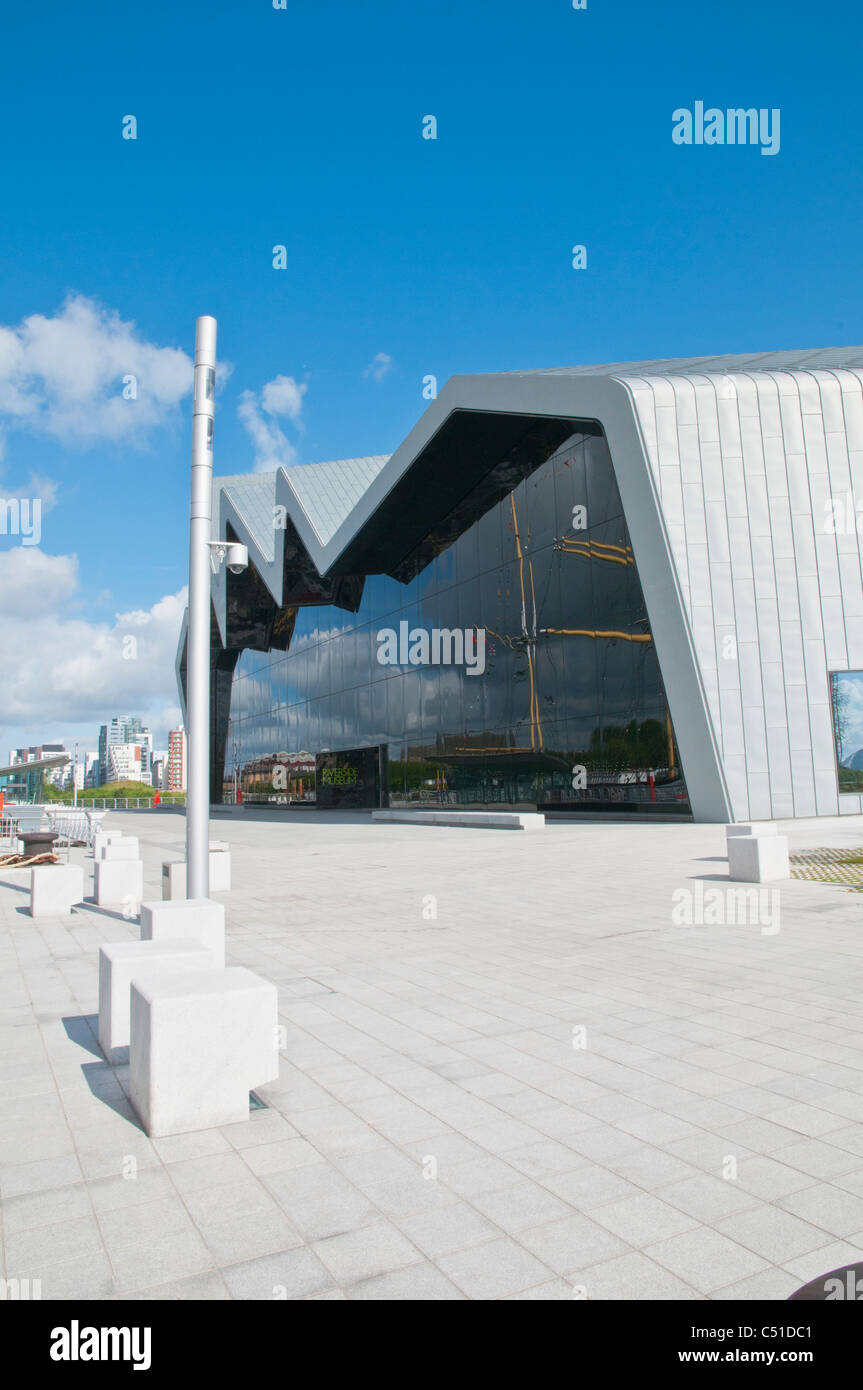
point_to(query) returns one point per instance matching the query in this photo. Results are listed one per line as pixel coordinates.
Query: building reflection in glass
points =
(569, 711)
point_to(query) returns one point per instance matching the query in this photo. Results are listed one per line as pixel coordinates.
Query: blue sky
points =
(302, 126)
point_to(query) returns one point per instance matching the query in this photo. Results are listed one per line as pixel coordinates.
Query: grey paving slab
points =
(495, 1270)
(363, 1254)
(825, 1258)
(827, 1206)
(288, 1275)
(247, 1236)
(775, 1234)
(568, 1246)
(29, 1252)
(706, 1259)
(444, 1230)
(418, 1283)
(633, 1277)
(197, 1288)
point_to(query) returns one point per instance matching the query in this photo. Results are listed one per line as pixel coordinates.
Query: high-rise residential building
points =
(124, 729)
(128, 762)
(176, 771)
(158, 768)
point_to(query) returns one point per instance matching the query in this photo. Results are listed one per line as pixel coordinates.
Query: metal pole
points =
(198, 661)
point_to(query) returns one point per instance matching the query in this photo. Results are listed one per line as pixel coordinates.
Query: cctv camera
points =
(237, 558)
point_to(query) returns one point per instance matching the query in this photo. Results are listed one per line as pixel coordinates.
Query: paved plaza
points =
(512, 1067)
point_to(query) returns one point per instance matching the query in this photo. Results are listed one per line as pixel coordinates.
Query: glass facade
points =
(517, 668)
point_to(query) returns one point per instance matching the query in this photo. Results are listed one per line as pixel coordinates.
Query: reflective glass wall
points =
(516, 669)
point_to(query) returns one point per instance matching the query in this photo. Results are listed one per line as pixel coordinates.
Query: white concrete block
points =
(758, 858)
(119, 883)
(55, 888)
(103, 838)
(484, 820)
(200, 919)
(762, 827)
(120, 962)
(199, 1043)
(220, 870)
(125, 848)
(173, 880)
(174, 874)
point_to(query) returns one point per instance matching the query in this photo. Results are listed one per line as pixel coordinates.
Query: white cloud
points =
(379, 366)
(39, 486)
(63, 375)
(284, 396)
(63, 675)
(259, 412)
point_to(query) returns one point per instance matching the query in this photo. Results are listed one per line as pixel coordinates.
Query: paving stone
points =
(570, 1245)
(831, 1208)
(290, 1274)
(705, 1259)
(633, 1277)
(775, 1234)
(494, 1271)
(417, 1283)
(364, 1254)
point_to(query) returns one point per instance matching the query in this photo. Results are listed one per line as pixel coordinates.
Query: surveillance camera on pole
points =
(235, 556)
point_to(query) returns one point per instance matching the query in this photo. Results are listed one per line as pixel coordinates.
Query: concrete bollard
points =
(125, 848)
(55, 888)
(199, 1043)
(122, 961)
(766, 827)
(174, 875)
(200, 919)
(103, 838)
(119, 883)
(758, 858)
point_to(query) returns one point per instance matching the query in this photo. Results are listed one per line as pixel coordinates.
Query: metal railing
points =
(118, 803)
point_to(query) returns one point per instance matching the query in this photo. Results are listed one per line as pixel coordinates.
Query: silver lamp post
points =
(198, 662)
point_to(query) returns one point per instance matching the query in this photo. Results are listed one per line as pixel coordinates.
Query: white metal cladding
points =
(745, 466)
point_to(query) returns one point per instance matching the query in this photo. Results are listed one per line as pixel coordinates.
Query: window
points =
(846, 700)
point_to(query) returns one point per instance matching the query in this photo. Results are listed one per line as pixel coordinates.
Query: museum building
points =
(630, 589)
